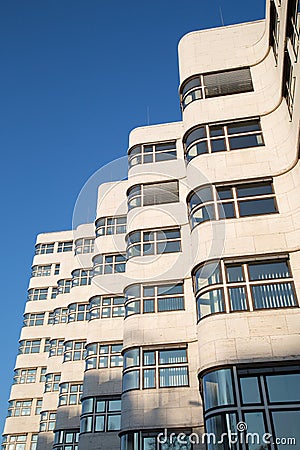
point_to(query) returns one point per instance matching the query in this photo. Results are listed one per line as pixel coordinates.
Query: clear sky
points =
(76, 76)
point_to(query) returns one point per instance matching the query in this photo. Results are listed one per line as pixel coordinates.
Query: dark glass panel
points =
(195, 135)
(251, 140)
(243, 127)
(226, 210)
(286, 425)
(238, 299)
(257, 207)
(280, 295)
(209, 303)
(218, 389)
(235, 273)
(218, 145)
(253, 189)
(250, 390)
(255, 431)
(220, 427)
(284, 388)
(268, 270)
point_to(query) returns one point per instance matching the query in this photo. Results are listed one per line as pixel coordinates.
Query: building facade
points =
(177, 312)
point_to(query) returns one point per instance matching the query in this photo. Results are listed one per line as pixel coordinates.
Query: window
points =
(43, 374)
(37, 294)
(82, 277)
(78, 312)
(106, 226)
(153, 242)
(47, 422)
(31, 320)
(43, 249)
(225, 202)
(47, 345)
(288, 83)
(106, 307)
(33, 443)
(148, 153)
(261, 392)
(29, 346)
(54, 292)
(150, 369)
(293, 24)
(64, 286)
(38, 406)
(66, 246)
(100, 415)
(102, 356)
(234, 81)
(239, 286)
(18, 408)
(14, 442)
(85, 245)
(41, 271)
(24, 376)
(222, 137)
(152, 194)
(66, 439)
(52, 382)
(59, 315)
(45, 271)
(274, 29)
(151, 298)
(56, 347)
(148, 440)
(107, 264)
(70, 394)
(74, 350)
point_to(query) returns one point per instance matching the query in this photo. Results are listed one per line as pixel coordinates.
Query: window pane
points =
(250, 190)
(114, 423)
(256, 207)
(221, 426)
(250, 390)
(131, 380)
(170, 304)
(234, 273)
(172, 356)
(218, 145)
(168, 247)
(284, 388)
(149, 378)
(210, 302)
(268, 271)
(279, 295)
(256, 426)
(114, 405)
(207, 275)
(286, 424)
(173, 376)
(218, 389)
(252, 140)
(238, 300)
(132, 358)
(226, 210)
(243, 127)
(99, 423)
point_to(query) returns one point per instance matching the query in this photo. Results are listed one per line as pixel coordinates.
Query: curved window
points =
(226, 202)
(153, 194)
(252, 394)
(47, 422)
(234, 81)
(43, 249)
(177, 439)
(108, 264)
(31, 320)
(107, 226)
(59, 315)
(70, 394)
(222, 137)
(103, 356)
(153, 242)
(64, 286)
(153, 298)
(100, 415)
(106, 307)
(18, 408)
(151, 369)
(37, 294)
(24, 376)
(52, 381)
(29, 346)
(82, 277)
(84, 245)
(74, 351)
(78, 312)
(14, 442)
(228, 286)
(148, 153)
(41, 271)
(56, 347)
(66, 439)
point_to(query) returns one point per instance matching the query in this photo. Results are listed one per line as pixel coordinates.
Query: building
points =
(199, 248)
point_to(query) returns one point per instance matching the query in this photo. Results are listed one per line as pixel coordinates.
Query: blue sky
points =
(76, 77)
